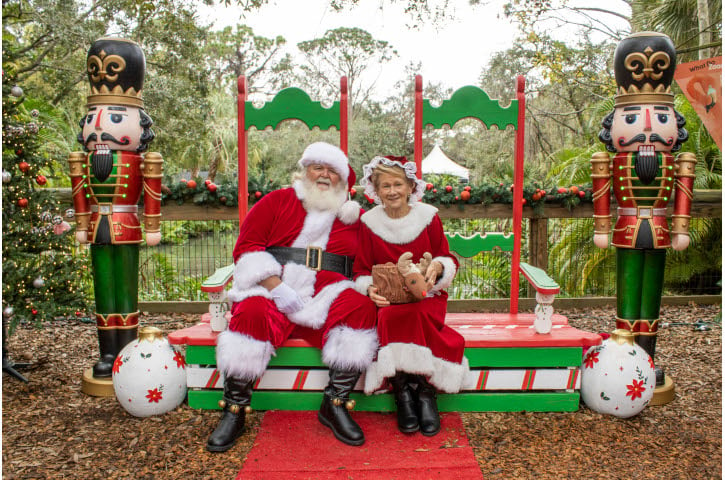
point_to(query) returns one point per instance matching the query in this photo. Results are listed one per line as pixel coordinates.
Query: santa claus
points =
(293, 263)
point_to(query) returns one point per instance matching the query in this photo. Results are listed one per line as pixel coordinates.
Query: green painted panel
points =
(297, 357)
(472, 102)
(219, 277)
(312, 114)
(477, 243)
(524, 357)
(538, 276)
(460, 402)
(477, 357)
(200, 355)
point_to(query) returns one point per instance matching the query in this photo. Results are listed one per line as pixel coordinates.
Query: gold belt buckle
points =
(644, 212)
(319, 258)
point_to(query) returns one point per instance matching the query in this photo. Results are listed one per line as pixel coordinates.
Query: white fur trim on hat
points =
(408, 167)
(411, 358)
(241, 356)
(399, 230)
(326, 154)
(350, 349)
(449, 272)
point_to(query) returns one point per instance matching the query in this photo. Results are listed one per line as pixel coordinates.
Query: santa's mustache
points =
(106, 137)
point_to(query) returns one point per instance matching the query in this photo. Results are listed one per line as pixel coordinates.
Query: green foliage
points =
(44, 276)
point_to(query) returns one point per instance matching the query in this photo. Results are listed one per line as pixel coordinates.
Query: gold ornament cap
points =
(622, 336)
(150, 334)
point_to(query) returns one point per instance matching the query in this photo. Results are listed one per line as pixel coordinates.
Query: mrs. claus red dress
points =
(413, 337)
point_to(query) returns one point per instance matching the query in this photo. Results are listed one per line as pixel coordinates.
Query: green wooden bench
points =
(519, 361)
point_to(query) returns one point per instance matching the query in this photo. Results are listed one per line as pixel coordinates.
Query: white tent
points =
(438, 163)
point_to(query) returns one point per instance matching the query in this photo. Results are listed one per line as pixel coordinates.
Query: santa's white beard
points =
(324, 200)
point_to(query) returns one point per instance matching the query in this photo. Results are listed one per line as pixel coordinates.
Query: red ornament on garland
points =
(191, 184)
(449, 189)
(24, 167)
(465, 195)
(23, 202)
(257, 194)
(211, 187)
(429, 186)
(41, 180)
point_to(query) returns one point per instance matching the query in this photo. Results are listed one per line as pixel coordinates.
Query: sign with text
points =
(701, 81)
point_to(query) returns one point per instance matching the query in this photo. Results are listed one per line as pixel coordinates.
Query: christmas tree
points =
(43, 271)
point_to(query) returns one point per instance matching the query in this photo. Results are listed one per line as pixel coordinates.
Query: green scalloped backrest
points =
(471, 102)
(477, 243)
(309, 112)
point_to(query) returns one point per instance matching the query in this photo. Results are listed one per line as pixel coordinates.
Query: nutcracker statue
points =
(643, 131)
(107, 180)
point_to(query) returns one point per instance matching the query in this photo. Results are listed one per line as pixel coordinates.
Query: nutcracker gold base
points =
(664, 394)
(96, 387)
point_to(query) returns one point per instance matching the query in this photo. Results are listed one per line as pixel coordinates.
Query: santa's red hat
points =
(408, 168)
(323, 153)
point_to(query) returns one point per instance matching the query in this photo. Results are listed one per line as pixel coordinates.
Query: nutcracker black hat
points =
(116, 69)
(644, 65)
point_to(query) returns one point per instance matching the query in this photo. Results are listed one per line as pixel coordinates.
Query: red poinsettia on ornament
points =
(636, 389)
(179, 359)
(591, 359)
(117, 365)
(154, 395)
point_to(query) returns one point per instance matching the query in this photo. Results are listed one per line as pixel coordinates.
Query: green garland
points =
(535, 195)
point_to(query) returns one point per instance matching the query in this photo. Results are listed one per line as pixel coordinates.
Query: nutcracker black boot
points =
(235, 406)
(430, 421)
(405, 403)
(107, 349)
(334, 411)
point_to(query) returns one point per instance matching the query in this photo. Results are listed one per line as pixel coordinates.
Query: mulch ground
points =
(52, 430)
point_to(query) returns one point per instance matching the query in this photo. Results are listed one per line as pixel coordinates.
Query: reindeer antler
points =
(405, 263)
(425, 262)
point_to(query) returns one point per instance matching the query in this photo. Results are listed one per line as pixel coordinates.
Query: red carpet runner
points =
(294, 445)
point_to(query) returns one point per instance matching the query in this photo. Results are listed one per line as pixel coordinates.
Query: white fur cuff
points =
(449, 272)
(350, 349)
(241, 356)
(362, 283)
(253, 267)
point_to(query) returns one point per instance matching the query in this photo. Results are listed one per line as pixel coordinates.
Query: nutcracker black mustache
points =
(106, 137)
(654, 138)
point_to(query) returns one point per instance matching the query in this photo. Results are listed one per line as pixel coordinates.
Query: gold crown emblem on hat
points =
(647, 64)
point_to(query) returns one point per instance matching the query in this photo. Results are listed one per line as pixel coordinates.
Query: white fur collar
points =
(348, 211)
(400, 230)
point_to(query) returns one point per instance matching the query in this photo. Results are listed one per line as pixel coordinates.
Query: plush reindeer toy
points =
(403, 282)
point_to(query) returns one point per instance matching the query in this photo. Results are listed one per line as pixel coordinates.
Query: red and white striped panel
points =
(481, 380)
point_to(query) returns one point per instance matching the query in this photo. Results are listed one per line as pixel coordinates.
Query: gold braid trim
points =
(604, 191)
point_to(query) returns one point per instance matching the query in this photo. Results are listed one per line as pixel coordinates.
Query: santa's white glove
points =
(286, 299)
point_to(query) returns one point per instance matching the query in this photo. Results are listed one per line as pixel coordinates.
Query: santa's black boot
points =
(428, 417)
(235, 406)
(108, 351)
(336, 404)
(405, 403)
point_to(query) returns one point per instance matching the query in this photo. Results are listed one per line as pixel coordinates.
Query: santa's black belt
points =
(314, 258)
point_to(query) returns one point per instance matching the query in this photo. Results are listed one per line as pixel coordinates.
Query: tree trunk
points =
(703, 22)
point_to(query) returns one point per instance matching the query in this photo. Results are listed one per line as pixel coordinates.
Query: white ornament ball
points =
(8, 312)
(70, 213)
(149, 376)
(16, 91)
(618, 376)
(7, 176)
(38, 282)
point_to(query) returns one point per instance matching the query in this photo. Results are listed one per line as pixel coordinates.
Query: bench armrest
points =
(215, 287)
(546, 289)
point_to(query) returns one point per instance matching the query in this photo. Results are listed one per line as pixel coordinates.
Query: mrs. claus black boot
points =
(405, 403)
(428, 417)
(235, 406)
(334, 411)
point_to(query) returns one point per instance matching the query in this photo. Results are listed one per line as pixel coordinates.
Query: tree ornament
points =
(46, 216)
(39, 282)
(33, 128)
(7, 176)
(16, 91)
(23, 202)
(8, 312)
(34, 113)
(19, 131)
(24, 167)
(41, 180)
(70, 213)
(57, 220)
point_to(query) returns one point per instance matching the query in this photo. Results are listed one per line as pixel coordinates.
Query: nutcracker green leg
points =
(115, 281)
(640, 279)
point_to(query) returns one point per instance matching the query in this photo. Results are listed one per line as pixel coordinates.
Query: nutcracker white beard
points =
(324, 200)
